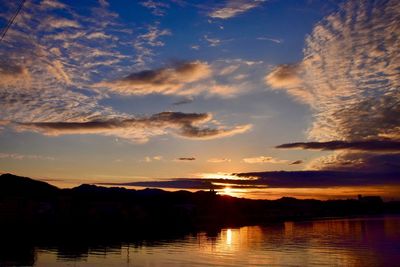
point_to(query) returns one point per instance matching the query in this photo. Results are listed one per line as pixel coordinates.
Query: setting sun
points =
(227, 191)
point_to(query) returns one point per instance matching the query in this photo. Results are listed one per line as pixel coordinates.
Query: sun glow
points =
(227, 191)
(222, 175)
(228, 236)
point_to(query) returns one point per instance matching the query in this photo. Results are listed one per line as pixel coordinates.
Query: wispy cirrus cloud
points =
(149, 159)
(212, 41)
(52, 4)
(219, 160)
(58, 23)
(274, 40)
(233, 8)
(146, 41)
(264, 159)
(157, 8)
(49, 78)
(17, 156)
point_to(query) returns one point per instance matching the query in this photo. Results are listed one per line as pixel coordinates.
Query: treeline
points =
(32, 204)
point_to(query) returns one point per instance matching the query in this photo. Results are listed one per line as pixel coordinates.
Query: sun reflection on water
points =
(228, 236)
(334, 242)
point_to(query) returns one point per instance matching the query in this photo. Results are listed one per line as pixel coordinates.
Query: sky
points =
(255, 98)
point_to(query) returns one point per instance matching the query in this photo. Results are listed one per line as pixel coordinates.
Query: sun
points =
(227, 190)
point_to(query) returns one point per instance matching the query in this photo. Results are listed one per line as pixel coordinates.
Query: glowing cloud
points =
(169, 80)
(234, 7)
(137, 129)
(350, 77)
(264, 159)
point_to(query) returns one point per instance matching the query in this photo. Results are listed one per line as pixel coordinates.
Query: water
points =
(331, 242)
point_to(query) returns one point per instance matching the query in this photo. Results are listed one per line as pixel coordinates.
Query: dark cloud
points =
(187, 159)
(280, 179)
(192, 131)
(138, 129)
(358, 161)
(9, 69)
(11, 73)
(183, 101)
(322, 179)
(368, 145)
(296, 162)
(178, 184)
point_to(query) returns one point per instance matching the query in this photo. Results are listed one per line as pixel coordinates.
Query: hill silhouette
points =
(12, 185)
(32, 205)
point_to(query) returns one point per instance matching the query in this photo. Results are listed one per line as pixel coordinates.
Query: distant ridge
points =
(30, 204)
(23, 186)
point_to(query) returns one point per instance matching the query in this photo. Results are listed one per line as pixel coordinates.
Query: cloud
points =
(288, 77)
(168, 80)
(98, 35)
(177, 184)
(157, 8)
(274, 40)
(48, 82)
(186, 159)
(48, 75)
(319, 179)
(218, 160)
(234, 8)
(153, 158)
(51, 4)
(281, 179)
(191, 131)
(349, 77)
(17, 156)
(57, 23)
(12, 74)
(137, 129)
(264, 159)
(145, 43)
(296, 162)
(188, 79)
(183, 101)
(357, 161)
(212, 41)
(368, 145)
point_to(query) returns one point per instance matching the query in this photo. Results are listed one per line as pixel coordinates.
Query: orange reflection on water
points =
(335, 242)
(228, 236)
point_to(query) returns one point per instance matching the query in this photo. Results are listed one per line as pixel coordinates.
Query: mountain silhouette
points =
(12, 185)
(35, 205)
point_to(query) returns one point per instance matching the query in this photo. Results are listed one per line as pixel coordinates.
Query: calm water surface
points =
(333, 242)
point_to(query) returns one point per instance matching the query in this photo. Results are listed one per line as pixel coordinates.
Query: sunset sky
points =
(162, 93)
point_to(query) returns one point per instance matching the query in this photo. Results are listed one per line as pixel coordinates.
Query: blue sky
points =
(124, 91)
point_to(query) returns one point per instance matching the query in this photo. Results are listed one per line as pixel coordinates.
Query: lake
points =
(328, 242)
